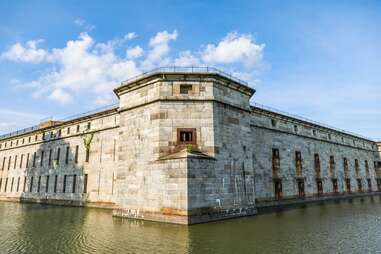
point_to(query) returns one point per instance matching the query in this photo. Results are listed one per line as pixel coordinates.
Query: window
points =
(273, 122)
(317, 164)
(314, 132)
(67, 155)
(185, 89)
(6, 184)
(76, 154)
(50, 157)
(59, 133)
(58, 156)
(23, 141)
(74, 183)
(77, 128)
(24, 185)
(64, 184)
(39, 184)
(87, 158)
(18, 184)
(31, 185)
(12, 183)
(369, 184)
(366, 168)
(186, 136)
(55, 183)
(43, 136)
(34, 159)
(47, 184)
(345, 166)
(357, 166)
(295, 128)
(335, 187)
(21, 160)
(14, 165)
(329, 136)
(88, 125)
(68, 130)
(29, 139)
(300, 183)
(42, 159)
(2, 167)
(275, 162)
(27, 160)
(348, 184)
(9, 162)
(278, 189)
(85, 184)
(319, 186)
(298, 163)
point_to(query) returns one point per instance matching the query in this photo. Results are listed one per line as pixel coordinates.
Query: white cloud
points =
(84, 68)
(134, 52)
(28, 53)
(60, 96)
(83, 24)
(159, 48)
(130, 36)
(234, 48)
(186, 58)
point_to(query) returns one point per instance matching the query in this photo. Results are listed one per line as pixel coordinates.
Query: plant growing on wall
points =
(87, 139)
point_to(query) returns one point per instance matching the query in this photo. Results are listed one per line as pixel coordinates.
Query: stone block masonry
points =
(185, 146)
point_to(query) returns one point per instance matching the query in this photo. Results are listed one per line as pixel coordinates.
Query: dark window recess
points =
(278, 189)
(50, 157)
(77, 128)
(34, 159)
(24, 185)
(21, 160)
(369, 181)
(335, 186)
(348, 184)
(55, 183)
(87, 159)
(85, 183)
(76, 154)
(9, 162)
(2, 167)
(1, 182)
(186, 136)
(58, 156)
(6, 184)
(319, 186)
(18, 184)
(298, 163)
(359, 185)
(317, 164)
(42, 159)
(379, 184)
(301, 192)
(275, 162)
(14, 165)
(12, 183)
(67, 155)
(185, 89)
(59, 133)
(64, 184)
(31, 185)
(74, 183)
(27, 161)
(39, 184)
(47, 184)
(68, 130)
(88, 125)
(273, 122)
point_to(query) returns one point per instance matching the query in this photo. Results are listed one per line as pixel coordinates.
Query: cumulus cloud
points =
(134, 52)
(28, 53)
(159, 49)
(85, 68)
(232, 49)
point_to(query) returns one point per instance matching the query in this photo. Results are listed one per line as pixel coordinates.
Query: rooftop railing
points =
(267, 108)
(66, 119)
(179, 69)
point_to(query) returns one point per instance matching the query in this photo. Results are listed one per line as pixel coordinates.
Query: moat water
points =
(344, 227)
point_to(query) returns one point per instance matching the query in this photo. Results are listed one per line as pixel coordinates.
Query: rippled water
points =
(345, 227)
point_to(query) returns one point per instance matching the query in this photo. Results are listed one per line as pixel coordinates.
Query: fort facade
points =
(184, 145)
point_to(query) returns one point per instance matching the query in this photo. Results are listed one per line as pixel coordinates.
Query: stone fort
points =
(184, 145)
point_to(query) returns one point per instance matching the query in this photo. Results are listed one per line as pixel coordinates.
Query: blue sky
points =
(317, 59)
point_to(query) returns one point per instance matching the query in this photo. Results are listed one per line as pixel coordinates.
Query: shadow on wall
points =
(53, 174)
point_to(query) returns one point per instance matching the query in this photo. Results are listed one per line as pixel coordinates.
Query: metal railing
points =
(270, 109)
(190, 69)
(36, 127)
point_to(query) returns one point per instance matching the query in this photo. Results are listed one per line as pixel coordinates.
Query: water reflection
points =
(340, 227)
